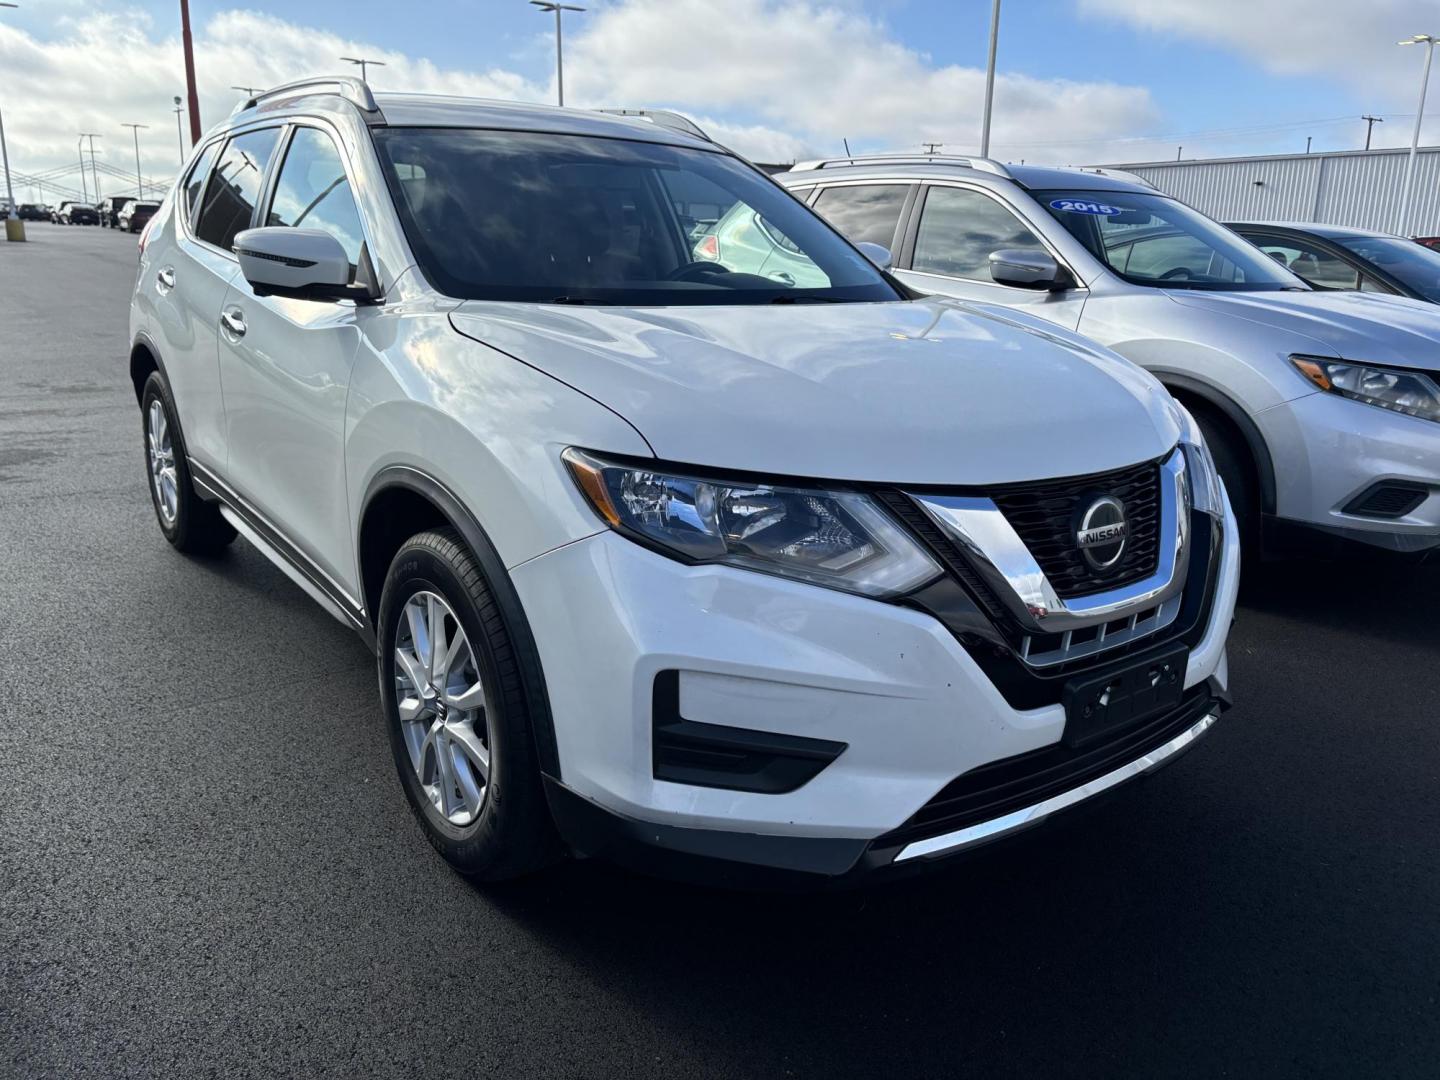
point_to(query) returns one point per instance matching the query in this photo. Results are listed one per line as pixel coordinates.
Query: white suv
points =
(665, 561)
(1320, 407)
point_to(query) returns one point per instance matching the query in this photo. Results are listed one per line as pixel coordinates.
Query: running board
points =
(285, 566)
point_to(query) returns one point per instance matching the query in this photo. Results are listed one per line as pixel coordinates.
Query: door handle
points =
(233, 321)
(165, 279)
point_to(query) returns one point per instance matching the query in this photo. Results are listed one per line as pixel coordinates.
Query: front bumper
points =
(912, 707)
(1330, 451)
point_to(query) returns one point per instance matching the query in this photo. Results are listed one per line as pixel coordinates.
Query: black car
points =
(77, 213)
(136, 214)
(32, 212)
(110, 208)
(1337, 257)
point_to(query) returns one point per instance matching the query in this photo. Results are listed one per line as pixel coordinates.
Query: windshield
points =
(1410, 263)
(505, 215)
(1154, 240)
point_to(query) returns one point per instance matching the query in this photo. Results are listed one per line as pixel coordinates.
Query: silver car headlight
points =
(839, 539)
(1413, 393)
(1207, 490)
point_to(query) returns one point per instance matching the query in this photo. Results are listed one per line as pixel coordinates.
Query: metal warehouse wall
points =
(1360, 188)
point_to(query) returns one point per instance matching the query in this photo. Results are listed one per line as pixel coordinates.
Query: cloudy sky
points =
(1081, 81)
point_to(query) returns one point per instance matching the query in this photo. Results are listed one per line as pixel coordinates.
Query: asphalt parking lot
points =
(208, 868)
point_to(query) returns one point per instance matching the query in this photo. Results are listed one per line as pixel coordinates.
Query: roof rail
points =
(663, 118)
(1119, 174)
(347, 86)
(979, 163)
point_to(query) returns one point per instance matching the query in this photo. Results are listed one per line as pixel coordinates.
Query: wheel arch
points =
(401, 501)
(1185, 387)
(145, 359)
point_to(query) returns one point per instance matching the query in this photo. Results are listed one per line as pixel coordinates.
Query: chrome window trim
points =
(1001, 558)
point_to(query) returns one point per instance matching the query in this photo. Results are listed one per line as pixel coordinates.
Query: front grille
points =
(1046, 515)
(1002, 787)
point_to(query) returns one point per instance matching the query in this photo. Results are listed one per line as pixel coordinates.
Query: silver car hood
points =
(1354, 325)
(925, 392)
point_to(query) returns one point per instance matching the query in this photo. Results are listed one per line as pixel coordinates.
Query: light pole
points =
(557, 8)
(94, 171)
(1428, 40)
(139, 185)
(191, 96)
(179, 131)
(363, 62)
(990, 80)
(14, 227)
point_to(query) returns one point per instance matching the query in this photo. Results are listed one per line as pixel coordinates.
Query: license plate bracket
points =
(1104, 704)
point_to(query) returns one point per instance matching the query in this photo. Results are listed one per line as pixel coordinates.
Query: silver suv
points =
(1322, 408)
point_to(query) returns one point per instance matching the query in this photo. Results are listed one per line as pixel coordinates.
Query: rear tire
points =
(190, 523)
(460, 729)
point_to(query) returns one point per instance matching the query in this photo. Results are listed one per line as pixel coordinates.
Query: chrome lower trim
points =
(1000, 557)
(985, 831)
(285, 566)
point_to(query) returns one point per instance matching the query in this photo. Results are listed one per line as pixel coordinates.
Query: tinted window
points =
(1151, 239)
(960, 228)
(195, 182)
(1315, 265)
(1413, 264)
(866, 213)
(312, 192)
(234, 187)
(500, 215)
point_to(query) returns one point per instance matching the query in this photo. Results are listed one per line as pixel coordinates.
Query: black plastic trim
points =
(1359, 506)
(1232, 411)
(734, 758)
(502, 588)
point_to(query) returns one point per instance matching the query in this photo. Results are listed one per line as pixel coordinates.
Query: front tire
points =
(190, 523)
(460, 729)
(1237, 470)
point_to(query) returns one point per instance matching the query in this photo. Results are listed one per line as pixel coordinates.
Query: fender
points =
(1259, 451)
(532, 675)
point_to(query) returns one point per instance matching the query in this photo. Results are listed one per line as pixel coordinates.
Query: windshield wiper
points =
(576, 300)
(784, 298)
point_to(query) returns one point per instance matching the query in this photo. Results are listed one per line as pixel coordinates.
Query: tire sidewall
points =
(419, 569)
(156, 389)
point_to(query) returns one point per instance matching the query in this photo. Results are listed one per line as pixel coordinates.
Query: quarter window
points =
(234, 187)
(865, 213)
(960, 228)
(312, 192)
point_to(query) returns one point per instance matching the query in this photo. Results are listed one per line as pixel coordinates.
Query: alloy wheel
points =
(443, 706)
(162, 462)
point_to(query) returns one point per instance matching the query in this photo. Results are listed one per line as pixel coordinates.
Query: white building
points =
(1352, 187)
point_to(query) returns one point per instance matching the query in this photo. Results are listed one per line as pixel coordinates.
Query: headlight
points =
(1410, 392)
(839, 539)
(1207, 491)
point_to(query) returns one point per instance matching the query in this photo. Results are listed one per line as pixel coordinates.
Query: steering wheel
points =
(695, 271)
(1177, 272)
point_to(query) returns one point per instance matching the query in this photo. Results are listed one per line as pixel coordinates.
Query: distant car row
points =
(117, 211)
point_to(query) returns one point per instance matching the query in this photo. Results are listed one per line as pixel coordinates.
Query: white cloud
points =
(776, 80)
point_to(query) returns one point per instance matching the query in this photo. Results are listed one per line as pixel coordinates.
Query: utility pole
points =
(1370, 122)
(139, 184)
(363, 62)
(990, 80)
(179, 131)
(1177, 152)
(558, 9)
(248, 91)
(192, 97)
(94, 171)
(80, 149)
(14, 227)
(931, 147)
(1307, 143)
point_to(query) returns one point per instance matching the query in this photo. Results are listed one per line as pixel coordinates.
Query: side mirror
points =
(302, 264)
(1029, 270)
(878, 254)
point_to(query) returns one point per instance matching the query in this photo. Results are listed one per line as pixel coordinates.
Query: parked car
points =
(666, 562)
(110, 208)
(1428, 241)
(1336, 257)
(32, 212)
(135, 214)
(1322, 408)
(77, 213)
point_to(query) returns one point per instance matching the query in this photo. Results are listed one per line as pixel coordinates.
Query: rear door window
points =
(234, 187)
(865, 213)
(195, 182)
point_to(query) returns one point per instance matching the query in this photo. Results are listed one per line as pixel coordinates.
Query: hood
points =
(920, 392)
(1352, 325)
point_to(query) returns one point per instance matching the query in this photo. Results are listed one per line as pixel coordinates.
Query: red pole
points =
(190, 72)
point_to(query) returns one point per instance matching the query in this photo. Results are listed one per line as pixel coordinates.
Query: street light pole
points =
(191, 96)
(15, 231)
(139, 184)
(363, 62)
(558, 9)
(179, 131)
(1428, 40)
(990, 80)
